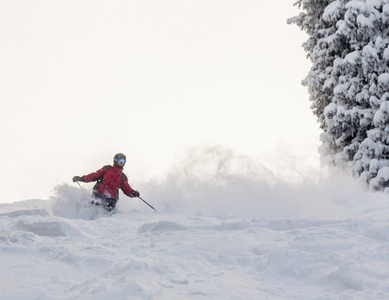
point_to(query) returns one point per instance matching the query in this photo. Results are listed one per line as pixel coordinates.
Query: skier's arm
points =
(95, 175)
(128, 190)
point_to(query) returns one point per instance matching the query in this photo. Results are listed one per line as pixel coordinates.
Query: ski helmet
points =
(119, 156)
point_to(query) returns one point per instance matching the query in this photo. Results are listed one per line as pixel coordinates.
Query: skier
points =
(109, 180)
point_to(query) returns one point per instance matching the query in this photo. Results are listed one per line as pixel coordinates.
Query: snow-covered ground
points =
(63, 249)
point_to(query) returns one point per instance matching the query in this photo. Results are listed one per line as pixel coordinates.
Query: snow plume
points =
(219, 182)
(74, 203)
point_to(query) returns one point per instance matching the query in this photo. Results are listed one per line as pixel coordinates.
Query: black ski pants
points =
(108, 203)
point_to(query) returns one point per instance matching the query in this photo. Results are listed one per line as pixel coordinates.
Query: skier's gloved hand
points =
(78, 178)
(135, 194)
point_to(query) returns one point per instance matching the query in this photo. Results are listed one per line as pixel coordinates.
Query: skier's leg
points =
(99, 198)
(110, 204)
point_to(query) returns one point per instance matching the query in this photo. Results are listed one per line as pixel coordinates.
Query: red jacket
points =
(110, 179)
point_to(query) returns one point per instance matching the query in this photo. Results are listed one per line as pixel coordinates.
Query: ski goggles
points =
(121, 161)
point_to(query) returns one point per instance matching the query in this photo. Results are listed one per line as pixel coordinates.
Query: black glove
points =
(135, 194)
(78, 178)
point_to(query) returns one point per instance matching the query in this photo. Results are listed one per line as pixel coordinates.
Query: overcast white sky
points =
(83, 80)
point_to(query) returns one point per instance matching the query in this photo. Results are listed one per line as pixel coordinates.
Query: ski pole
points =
(81, 187)
(147, 203)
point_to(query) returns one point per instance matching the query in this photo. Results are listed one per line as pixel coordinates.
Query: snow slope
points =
(63, 249)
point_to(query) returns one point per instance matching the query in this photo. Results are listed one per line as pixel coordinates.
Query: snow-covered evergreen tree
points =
(349, 83)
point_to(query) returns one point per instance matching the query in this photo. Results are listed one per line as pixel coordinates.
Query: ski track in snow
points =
(58, 250)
